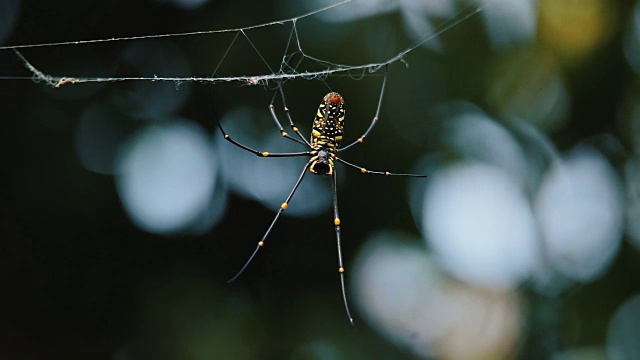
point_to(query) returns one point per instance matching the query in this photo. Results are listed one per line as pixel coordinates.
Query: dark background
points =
(79, 276)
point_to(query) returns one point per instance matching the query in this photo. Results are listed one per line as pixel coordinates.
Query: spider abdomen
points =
(328, 124)
(326, 133)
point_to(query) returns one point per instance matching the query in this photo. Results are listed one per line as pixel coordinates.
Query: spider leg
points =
(386, 173)
(360, 140)
(260, 153)
(282, 208)
(295, 129)
(336, 222)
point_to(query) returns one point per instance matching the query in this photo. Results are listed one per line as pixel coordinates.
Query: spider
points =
(324, 145)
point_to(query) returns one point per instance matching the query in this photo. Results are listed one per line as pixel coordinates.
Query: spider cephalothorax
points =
(322, 162)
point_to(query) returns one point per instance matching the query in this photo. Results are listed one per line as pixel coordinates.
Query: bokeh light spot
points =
(478, 222)
(404, 295)
(574, 29)
(474, 135)
(167, 176)
(529, 84)
(579, 212)
(509, 22)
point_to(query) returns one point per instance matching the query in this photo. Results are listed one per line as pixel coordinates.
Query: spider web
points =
(289, 67)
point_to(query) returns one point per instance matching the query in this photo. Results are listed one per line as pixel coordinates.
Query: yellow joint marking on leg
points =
(226, 136)
(295, 129)
(260, 243)
(286, 108)
(270, 106)
(265, 154)
(363, 170)
(375, 118)
(387, 173)
(341, 270)
(284, 133)
(336, 221)
(284, 206)
(361, 139)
